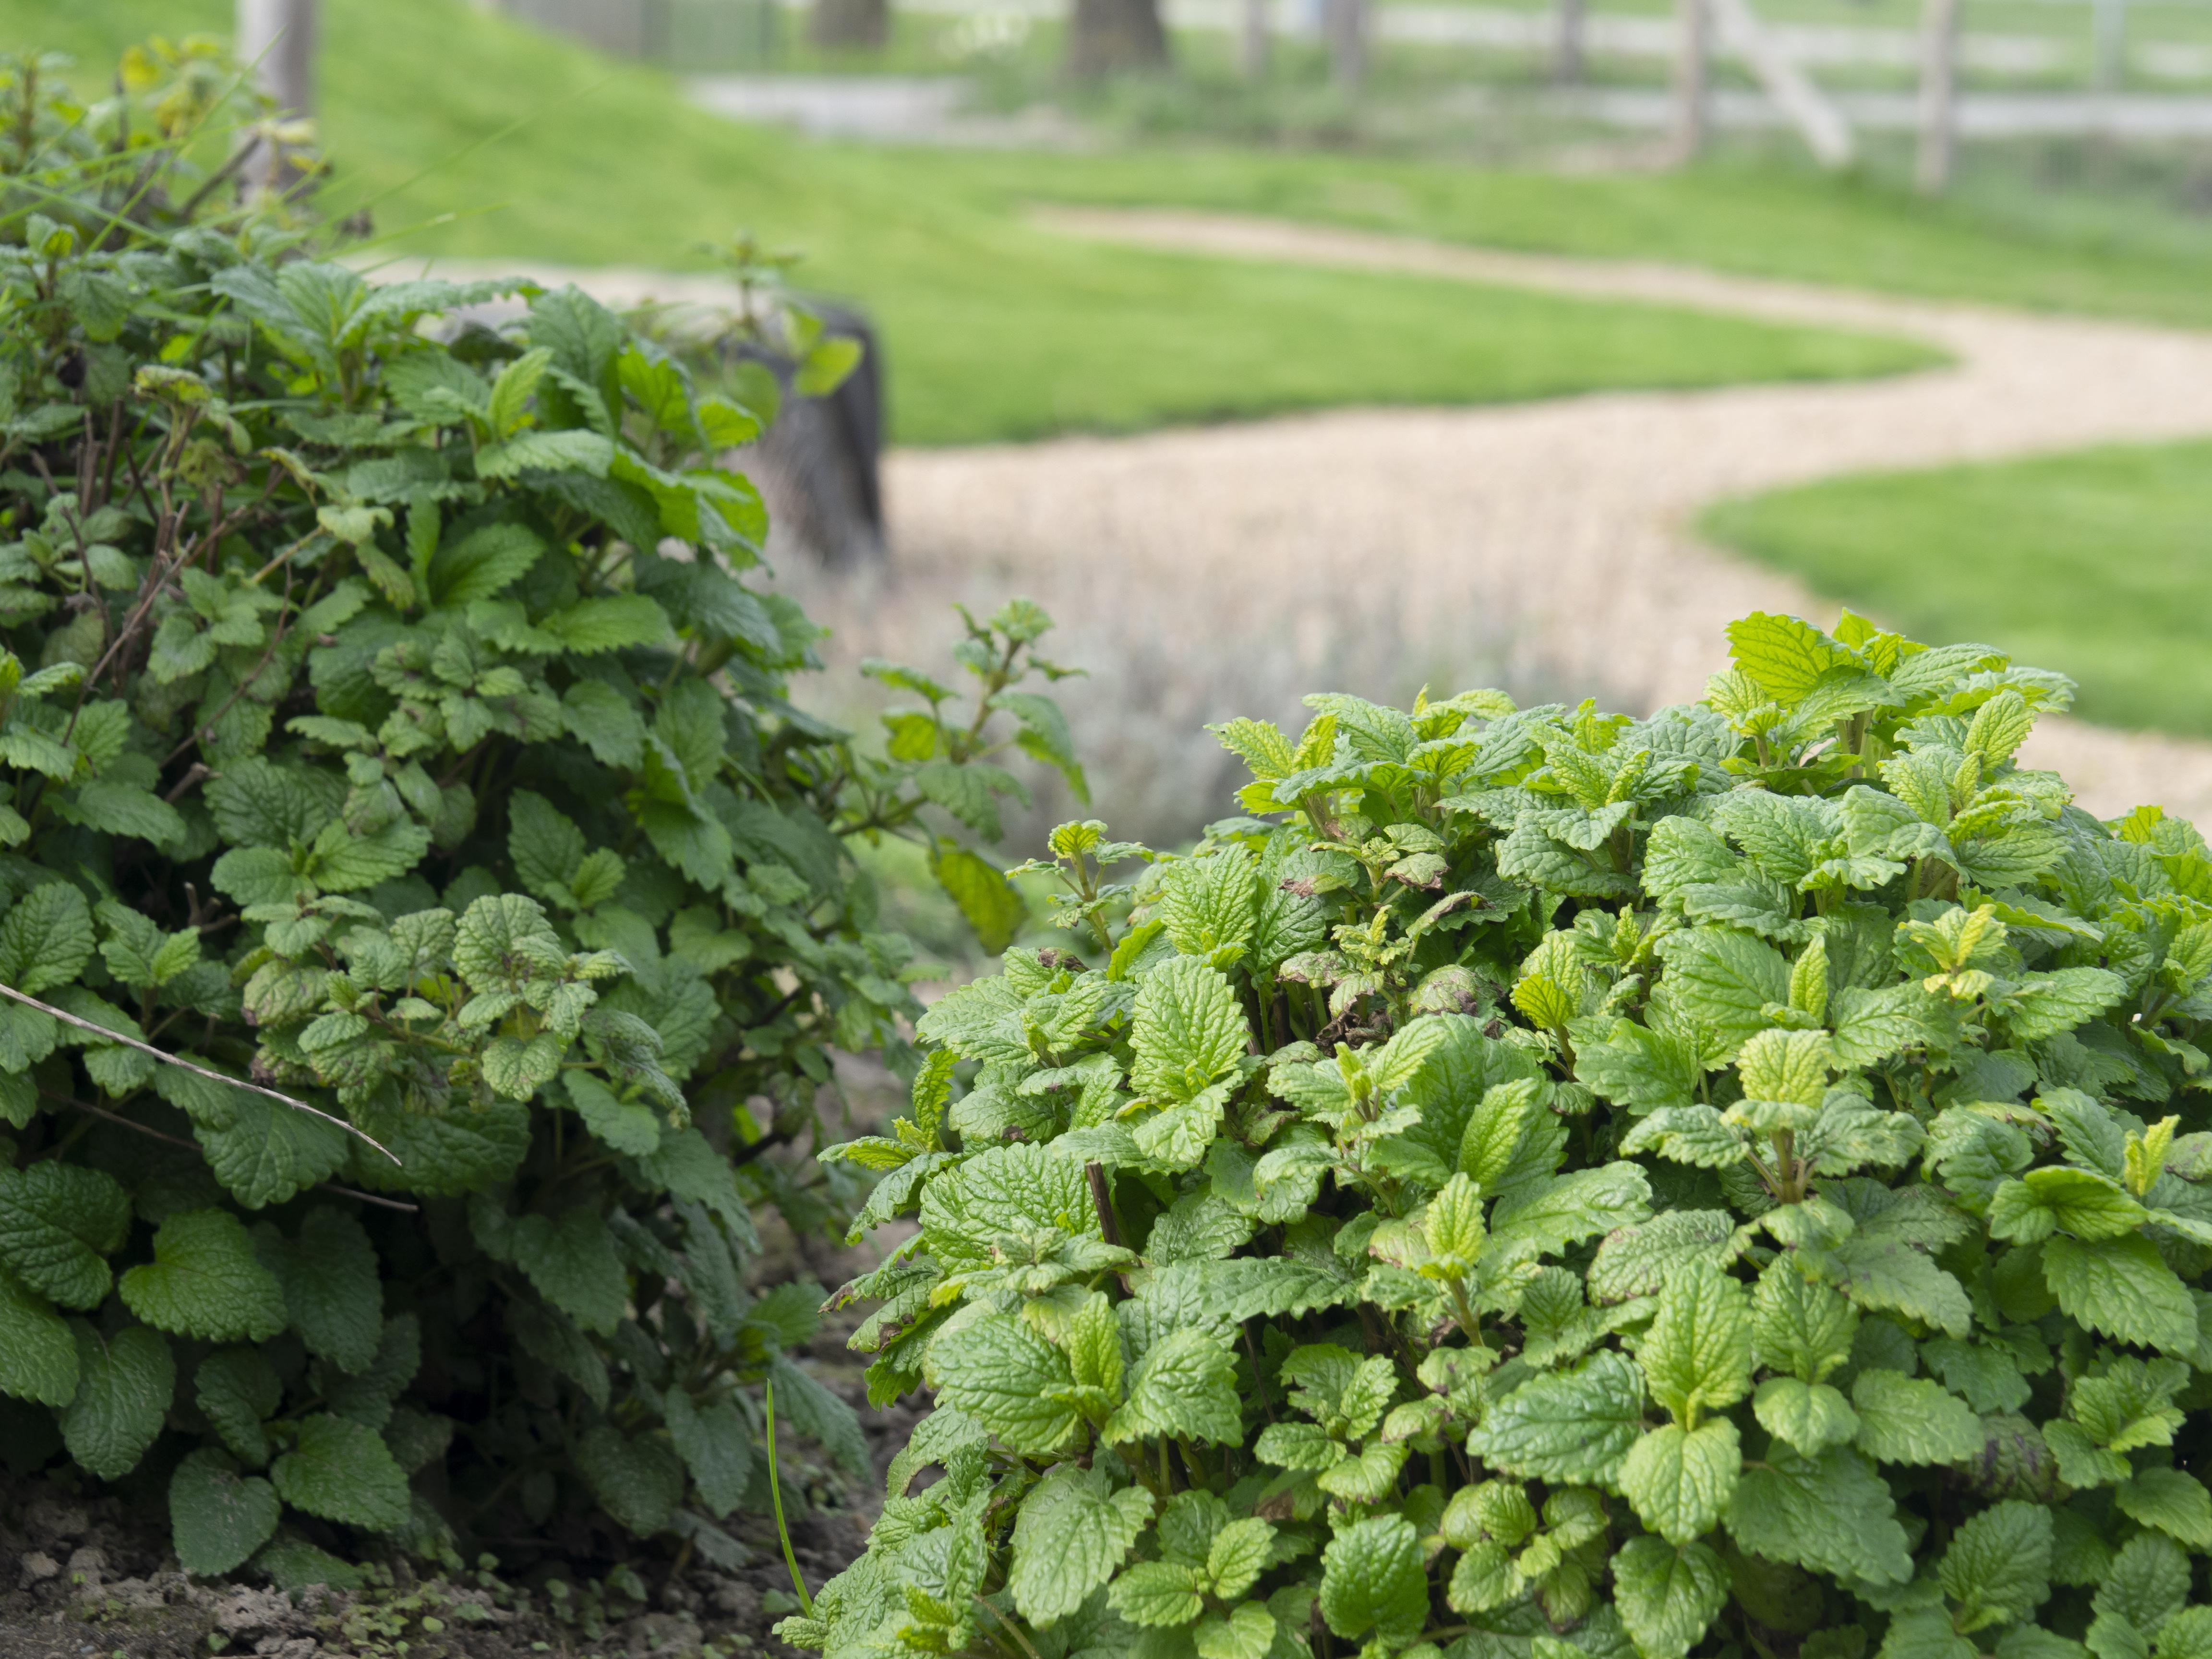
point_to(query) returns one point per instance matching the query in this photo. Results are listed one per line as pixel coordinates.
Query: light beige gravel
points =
(1546, 547)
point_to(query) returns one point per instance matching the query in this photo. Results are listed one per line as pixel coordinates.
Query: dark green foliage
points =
(1554, 1184)
(425, 919)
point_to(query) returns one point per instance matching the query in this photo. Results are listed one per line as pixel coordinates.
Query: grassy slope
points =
(993, 330)
(2100, 563)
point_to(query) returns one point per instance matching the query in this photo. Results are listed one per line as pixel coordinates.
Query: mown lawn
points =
(2098, 563)
(472, 135)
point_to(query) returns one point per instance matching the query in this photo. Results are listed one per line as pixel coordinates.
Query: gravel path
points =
(1545, 547)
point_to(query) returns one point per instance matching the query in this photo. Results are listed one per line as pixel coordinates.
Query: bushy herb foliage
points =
(1549, 1183)
(386, 722)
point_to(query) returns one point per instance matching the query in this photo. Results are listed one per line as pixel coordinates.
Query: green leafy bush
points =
(388, 727)
(1556, 1184)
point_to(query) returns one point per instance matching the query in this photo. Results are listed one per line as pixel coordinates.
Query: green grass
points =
(993, 330)
(2098, 563)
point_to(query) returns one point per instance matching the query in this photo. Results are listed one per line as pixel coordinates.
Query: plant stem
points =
(1010, 1628)
(775, 1494)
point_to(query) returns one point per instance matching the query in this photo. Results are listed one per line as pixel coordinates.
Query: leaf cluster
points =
(426, 919)
(1552, 1183)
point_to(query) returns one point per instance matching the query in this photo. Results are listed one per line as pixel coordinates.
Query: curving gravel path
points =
(1546, 547)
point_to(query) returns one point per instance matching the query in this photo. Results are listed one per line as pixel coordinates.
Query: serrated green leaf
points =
(1903, 1419)
(341, 1471)
(237, 1390)
(2122, 1288)
(205, 1281)
(124, 1385)
(1187, 1030)
(1997, 1568)
(57, 1222)
(1811, 1416)
(218, 1517)
(2175, 1503)
(714, 1444)
(1371, 1580)
(1678, 1480)
(1572, 1426)
(1668, 1596)
(638, 1480)
(38, 1355)
(1697, 1356)
(1009, 1379)
(1185, 1386)
(574, 1264)
(1071, 1535)
(331, 1291)
(1832, 1513)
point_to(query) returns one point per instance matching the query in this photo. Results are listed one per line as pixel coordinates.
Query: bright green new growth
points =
(386, 722)
(1555, 1184)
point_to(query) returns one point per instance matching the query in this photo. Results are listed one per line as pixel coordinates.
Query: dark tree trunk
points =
(863, 23)
(1107, 36)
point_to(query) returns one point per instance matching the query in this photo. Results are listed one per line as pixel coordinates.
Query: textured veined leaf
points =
(1697, 1356)
(1668, 1596)
(341, 1471)
(1679, 1480)
(1004, 1375)
(1811, 1416)
(1725, 980)
(2123, 1287)
(1997, 1568)
(218, 1517)
(714, 1444)
(1371, 1580)
(1187, 1030)
(1832, 1513)
(1571, 1427)
(57, 1224)
(573, 1264)
(638, 1480)
(331, 1289)
(987, 899)
(124, 1385)
(205, 1281)
(38, 1354)
(1072, 1534)
(1903, 1419)
(1635, 1261)
(1184, 1387)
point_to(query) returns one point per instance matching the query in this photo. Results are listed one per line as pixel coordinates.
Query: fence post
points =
(277, 37)
(1253, 46)
(1939, 95)
(1692, 78)
(2110, 21)
(1567, 66)
(1344, 23)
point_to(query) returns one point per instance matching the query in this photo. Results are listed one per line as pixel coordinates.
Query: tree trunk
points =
(1567, 65)
(1254, 43)
(1344, 25)
(1105, 37)
(862, 23)
(1939, 95)
(276, 40)
(1692, 78)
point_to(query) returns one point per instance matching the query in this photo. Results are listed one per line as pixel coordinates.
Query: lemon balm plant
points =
(1549, 1183)
(424, 915)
